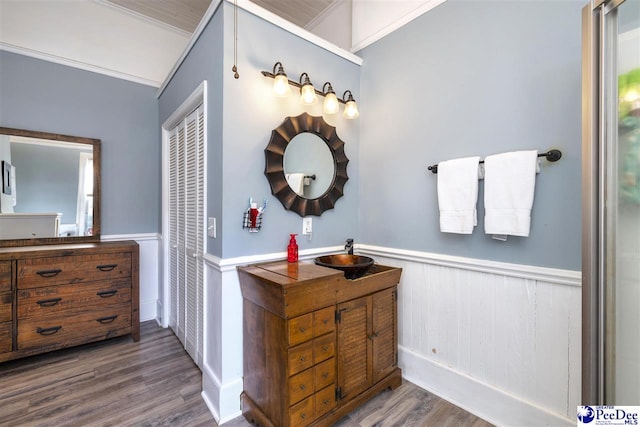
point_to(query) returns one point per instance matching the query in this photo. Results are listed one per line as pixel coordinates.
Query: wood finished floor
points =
(154, 383)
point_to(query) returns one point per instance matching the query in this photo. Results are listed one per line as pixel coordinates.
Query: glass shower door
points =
(611, 202)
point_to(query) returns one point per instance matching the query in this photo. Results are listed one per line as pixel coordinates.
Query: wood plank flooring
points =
(154, 383)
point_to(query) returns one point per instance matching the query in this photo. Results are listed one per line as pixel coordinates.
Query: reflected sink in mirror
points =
(353, 266)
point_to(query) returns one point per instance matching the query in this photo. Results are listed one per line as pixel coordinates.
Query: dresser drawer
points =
(325, 400)
(300, 357)
(5, 337)
(301, 386)
(324, 321)
(303, 413)
(300, 329)
(5, 307)
(74, 327)
(39, 272)
(324, 374)
(5, 276)
(55, 299)
(324, 348)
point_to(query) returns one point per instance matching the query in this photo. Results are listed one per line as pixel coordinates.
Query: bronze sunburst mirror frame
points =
(274, 168)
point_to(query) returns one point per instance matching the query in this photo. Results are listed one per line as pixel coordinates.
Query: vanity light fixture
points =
(350, 108)
(281, 82)
(331, 104)
(307, 91)
(308, 94)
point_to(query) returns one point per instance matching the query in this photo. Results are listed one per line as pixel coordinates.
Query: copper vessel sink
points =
(353, 266)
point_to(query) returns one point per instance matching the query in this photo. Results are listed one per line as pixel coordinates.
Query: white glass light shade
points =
(331, 104)
(351, 110)
(281, 85)
(308, 94)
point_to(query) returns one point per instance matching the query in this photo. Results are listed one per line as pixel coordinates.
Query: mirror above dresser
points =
(50, 188)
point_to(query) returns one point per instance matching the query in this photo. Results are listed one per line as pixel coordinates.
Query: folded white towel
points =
(509, 186)
(296, 182)
(458, 195)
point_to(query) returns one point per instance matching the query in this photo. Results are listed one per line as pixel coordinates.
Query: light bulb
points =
(331, 104)
(351, 110)
(281, 86)
(308, 94)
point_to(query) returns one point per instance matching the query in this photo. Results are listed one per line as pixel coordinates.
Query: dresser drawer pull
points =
(107, 319)
(325, 402)
(325, 348)
(325, 375)
(48, 302)
(106, 267)
(48, 331)
(303, 387)
(303, 415)
(107, 294)
(303, 358)
(49, 273)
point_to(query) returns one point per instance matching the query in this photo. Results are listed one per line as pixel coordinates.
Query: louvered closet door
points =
(186, 236)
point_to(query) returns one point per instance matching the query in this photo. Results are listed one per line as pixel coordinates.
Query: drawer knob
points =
(48, 302)
(302, 329)
(325, 321)
(49, 273)
(303, 358)
(107, 319)
(325, 375)
(107, 294)
(303, 387)
(106, 267)
(48, 331)
(325, 401)
(303, 415)
(325, 348)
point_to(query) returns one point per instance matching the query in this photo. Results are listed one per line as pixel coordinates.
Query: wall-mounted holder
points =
(252, 218)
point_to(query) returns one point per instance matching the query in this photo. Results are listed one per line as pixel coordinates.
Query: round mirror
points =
(308, 165)
(308, 138)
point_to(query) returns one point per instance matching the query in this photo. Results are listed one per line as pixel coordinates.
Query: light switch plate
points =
(307, 226)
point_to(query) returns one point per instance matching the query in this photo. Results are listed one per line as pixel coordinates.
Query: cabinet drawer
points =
(324, 374)
(302, 413)
(5, 276)
(5, 307)
(324, 321)
(55, 299)
(301, 386)
(5, 337)
(324, 348)
(300, 329)
(39, 272)
(325, 400)
(300, 357)
(74, 327)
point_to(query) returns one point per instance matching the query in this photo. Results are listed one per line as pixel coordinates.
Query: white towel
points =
(458, 195)
(509, 185)
(296, 182)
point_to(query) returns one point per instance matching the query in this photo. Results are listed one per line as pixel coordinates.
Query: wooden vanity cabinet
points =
(316, 345)
(52, 297)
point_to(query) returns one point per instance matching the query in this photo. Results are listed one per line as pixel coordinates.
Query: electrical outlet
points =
(211, 227)
(307, 226)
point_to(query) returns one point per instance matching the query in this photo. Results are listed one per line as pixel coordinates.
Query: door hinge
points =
(339, 315)
(395, 295)
(339, 395)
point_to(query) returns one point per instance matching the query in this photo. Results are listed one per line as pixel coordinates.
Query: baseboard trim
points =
(223, 400)
(476, 397)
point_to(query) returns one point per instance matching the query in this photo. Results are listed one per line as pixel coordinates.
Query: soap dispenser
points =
(292, 249)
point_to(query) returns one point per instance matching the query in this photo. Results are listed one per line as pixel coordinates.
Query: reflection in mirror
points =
(308, 165)
(276, 171)
(53, 194)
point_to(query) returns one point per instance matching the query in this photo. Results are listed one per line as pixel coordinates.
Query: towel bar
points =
(551, 155)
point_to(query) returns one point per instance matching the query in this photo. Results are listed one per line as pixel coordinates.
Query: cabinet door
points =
(354, 358)
(385, 332)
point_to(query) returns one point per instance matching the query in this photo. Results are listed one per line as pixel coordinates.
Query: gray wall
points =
(239, 132)
(43, 96)
(473, 78)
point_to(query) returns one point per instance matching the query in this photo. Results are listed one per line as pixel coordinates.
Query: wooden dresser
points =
(316, 345)
(58, 296)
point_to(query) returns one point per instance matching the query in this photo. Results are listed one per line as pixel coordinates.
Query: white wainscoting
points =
(499, 340)
(149, 270)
